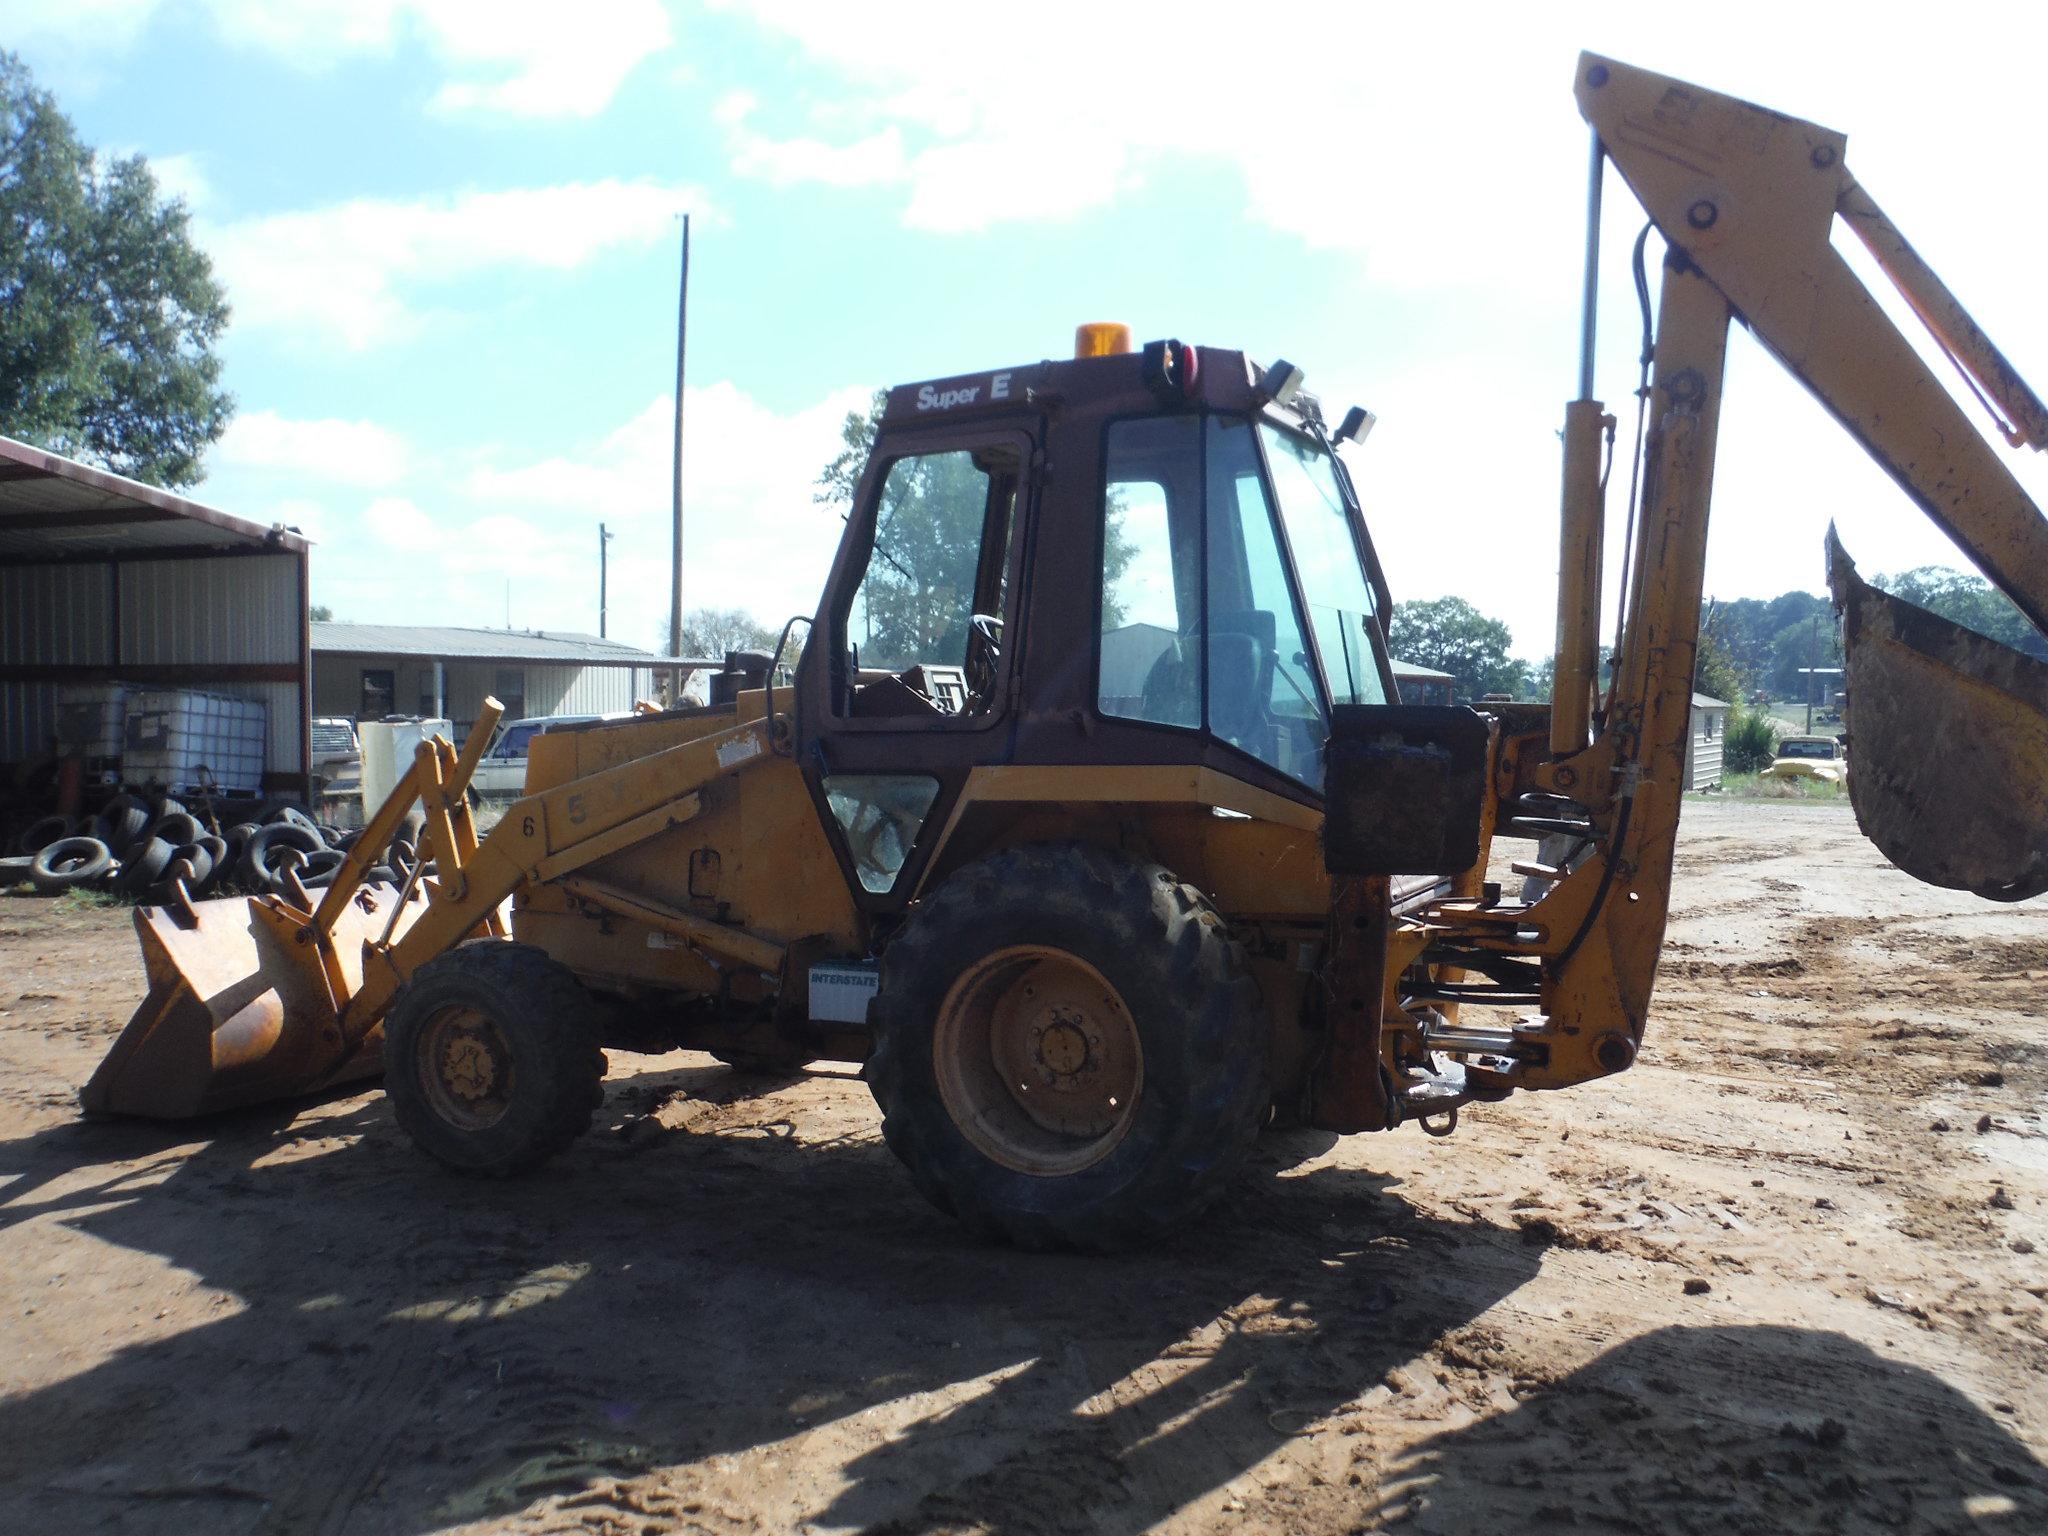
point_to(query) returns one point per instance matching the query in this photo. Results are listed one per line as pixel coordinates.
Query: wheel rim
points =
(1038, 1060)
(465, 1064)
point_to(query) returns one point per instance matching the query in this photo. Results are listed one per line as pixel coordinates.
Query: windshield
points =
(1328, 566)
(1793, 746)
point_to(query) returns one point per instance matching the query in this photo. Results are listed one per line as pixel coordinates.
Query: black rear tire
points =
(69, 863)
(143, 865)
(491, 1058)
(43, 832)
(1170, 981)
(121, 821)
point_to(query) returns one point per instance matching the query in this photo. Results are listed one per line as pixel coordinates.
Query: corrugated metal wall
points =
(228, 611)
(50, 615)
(235, 611)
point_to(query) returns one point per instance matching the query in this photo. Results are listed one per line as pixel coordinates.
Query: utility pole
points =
(675, 582)
(1812, 669)
(604, 537)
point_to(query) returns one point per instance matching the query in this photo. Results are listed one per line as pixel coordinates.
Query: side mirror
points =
(1356, 427)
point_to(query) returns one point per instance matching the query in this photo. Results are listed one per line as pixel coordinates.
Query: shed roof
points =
(451, 642)
(56, 509)
(1708, 701)
(1409, 669)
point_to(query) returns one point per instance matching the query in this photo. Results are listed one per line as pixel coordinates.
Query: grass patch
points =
(82, 899)
(1754, 786)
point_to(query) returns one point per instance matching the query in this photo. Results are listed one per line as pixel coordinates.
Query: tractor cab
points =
(1131, 559)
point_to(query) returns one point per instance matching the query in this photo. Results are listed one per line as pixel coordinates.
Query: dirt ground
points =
(1786, 1275)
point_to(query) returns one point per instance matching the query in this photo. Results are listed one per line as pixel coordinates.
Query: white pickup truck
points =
(501, 774)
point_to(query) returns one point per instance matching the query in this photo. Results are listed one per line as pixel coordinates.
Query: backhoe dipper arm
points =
(1746, 201)
(1750, 197)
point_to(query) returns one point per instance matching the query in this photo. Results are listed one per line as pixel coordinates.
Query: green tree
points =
(108, 312)
(919, 587)
(1749, 628)
(1449, 634)
(320, 613)
(1715, 672)
(1815, 641)
(1969, 601)
(714, 631)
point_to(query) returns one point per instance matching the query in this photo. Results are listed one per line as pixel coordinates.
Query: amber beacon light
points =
(1102, 338)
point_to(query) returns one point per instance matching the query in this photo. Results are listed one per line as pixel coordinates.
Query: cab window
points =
(1262, 690)
(923, 634)
(1333, 584)
(1202, 622)
(1151, 664)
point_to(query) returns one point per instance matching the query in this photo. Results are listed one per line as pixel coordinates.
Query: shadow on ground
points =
(401, 1350)
(1734, 1431)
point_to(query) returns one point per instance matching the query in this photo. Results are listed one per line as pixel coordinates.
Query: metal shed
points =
(103, 579)
(1709, 726)
(1422, 685)
(367, 671)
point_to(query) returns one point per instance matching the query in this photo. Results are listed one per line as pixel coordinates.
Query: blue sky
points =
(448, 228)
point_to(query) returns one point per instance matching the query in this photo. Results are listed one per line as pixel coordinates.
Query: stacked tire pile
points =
(137, 847)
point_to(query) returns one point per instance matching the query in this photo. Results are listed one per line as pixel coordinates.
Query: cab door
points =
(908, 681)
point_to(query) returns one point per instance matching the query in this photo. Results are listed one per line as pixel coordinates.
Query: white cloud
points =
(342, 273)
(105, 23)
(182, 176)
(398, 524)
(520, 58)
(1439, 146)
(753, 536)
(346, 452)
(549, 59)
(1326, 131)
(872, 161)
(473, 539)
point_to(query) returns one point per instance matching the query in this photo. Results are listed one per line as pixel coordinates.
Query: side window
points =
(1151, 663)
(1262, 691)
(933, 591)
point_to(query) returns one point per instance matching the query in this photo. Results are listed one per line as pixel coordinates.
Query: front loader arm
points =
(545, 836)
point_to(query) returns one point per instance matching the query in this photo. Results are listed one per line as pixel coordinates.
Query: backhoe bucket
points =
(240, 1009)
(1948, 743)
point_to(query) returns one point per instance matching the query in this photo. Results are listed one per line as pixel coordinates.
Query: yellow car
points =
(1810, 757)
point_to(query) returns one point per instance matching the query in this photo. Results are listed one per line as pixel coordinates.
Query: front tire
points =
(491, 1058)
(1068, 1052)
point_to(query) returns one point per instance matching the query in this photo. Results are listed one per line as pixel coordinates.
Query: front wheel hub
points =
(466, 1067)
(1038, 1060)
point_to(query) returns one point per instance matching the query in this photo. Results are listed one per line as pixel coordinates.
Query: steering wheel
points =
(984, 651)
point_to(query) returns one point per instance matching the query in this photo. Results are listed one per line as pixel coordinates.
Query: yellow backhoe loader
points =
(1092, 823)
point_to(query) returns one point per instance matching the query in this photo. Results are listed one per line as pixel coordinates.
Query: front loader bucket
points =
(1948, 743)
(239, 1009)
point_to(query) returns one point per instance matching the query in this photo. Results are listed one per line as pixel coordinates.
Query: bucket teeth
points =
(1948, 743)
